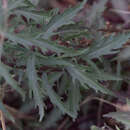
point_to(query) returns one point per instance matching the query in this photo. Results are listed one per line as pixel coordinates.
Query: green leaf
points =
(74, 98)
(17, 39)
(48, 45)
(92, 64)
(51, 61)
(34, 2)
(13, 4)
(104, 46)
(62, 19)
(55, 99)
(37, 17)
(123, 117)
(51, 45)
(104, 76)
(44, 45)
(73, 53)
(33, 84)
(95, 12)
(53, 77)
(98, 74)
(84, 80)
(28, 41)
(7, 76)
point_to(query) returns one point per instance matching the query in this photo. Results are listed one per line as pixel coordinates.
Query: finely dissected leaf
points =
(73, 53)
(123, 117)
(98, 74)
(13, 4)
(53, 77)
(7, 76)
(95, 13)
(55, 99)
(84, 80)
(33, 84)
(51, 61)
(30, 15)
(31, 50)
(92, 64)
(64, 84)
(104, 76)
(17, 39)
(74, 98)
(62, 19)
(48, 45)
(34, 2)
(44, 44)
(105, 45)
(71, 31)
(1, 17)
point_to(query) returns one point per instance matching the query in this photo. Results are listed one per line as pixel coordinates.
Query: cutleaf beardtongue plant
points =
(67, 71)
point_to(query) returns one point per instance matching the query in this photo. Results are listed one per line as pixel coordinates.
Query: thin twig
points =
(2, 120)
(99, 99)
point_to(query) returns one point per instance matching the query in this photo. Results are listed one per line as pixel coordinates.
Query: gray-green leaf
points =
(33, 84)
(62, 19)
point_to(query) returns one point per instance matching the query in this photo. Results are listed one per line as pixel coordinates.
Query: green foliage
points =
(104, 46)
(34, 2)
(123, 117)
(55, 99)
(62, 19)
(40, 68)
(94, 14)
(8, 77)
(74, 98)
(34, 87)
(84, 79)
